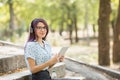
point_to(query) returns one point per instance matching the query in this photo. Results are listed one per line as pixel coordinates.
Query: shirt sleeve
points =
(29, 51)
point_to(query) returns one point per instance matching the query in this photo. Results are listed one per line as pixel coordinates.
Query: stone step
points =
(71, 78)
(11, 62)
(59, 68)
(25, 75)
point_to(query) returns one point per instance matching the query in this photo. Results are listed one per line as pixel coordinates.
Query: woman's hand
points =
(61, 59)
(54, 59)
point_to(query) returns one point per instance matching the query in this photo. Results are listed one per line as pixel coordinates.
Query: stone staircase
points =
(25, 75)
(12, 59)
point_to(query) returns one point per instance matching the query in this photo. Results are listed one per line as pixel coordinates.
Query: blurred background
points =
(89, 27)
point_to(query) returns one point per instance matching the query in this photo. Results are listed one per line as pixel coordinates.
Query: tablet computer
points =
(62, 51)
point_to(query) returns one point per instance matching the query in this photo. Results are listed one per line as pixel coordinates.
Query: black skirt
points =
(42, 75)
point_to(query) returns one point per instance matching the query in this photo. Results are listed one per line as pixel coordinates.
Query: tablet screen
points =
(62, 51)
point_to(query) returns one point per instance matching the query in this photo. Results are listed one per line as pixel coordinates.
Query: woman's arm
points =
(35, 68)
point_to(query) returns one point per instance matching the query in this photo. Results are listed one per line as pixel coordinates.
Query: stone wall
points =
(11, 63)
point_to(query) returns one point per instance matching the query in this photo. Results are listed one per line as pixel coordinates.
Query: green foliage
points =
(114, 8)
(54, 11)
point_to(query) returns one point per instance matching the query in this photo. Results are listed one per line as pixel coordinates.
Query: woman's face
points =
(40, 30)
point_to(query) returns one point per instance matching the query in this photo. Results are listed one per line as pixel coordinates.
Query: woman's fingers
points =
(56, 58)
(61, 59)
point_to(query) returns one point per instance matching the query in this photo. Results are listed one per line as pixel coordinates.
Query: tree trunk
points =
(70, 30)
(61, 25)
(86, 24)
(11, 25)
(70, 26)
(94, 30)
(103, 38)
(61, 29)
(75, 24)
(116, 42)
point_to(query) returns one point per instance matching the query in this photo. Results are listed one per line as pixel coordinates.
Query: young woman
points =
(38, 51)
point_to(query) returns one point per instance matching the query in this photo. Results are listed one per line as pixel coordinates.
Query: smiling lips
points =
(42, 33)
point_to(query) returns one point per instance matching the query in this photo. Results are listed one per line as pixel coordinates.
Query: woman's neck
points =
(39, 40)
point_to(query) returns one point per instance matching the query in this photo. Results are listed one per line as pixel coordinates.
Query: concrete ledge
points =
(59, 68)
(4, 43)
(25, 75)
(71, 78)
(113, 73)
(67, 79)
(11, 63)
